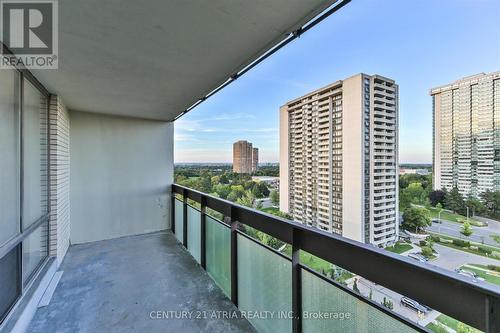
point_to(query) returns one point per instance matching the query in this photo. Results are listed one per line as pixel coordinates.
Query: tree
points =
(466, 229)
(475, 206)
(414, 193)
(222, 190)
(387, 303)
(248, 199)
(275, 197)
(426, 251)
(455, 201)
(416, 218)
(223, 179)
(204, 183)
(355, 286)
(491, 201)
(437, 197)
(237, 191)
(260, 190)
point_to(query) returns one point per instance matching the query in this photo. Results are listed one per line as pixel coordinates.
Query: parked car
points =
(470, 274)
(417, 256)
(409, 303)
(421, 255)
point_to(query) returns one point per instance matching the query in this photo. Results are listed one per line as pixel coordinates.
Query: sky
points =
(420, 44)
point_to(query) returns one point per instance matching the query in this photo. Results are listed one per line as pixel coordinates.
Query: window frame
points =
(15, 243)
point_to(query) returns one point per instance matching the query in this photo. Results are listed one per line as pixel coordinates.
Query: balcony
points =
(94, 237)
(144, 283)
(214, 232)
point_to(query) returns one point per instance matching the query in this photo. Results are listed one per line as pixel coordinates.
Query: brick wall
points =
(59, 173)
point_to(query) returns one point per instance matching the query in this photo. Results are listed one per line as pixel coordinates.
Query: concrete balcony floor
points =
(114, 285)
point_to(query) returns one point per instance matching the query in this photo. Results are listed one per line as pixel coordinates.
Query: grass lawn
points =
(450, 322)
(271, 210)
(436, 328)
(465, 249)
(316, 263)
(489, 276)
(399, 248)
(496, 238)
(449, 216)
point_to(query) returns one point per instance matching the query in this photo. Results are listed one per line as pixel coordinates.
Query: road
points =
(378, 294)
(480, 234)
(450, 258)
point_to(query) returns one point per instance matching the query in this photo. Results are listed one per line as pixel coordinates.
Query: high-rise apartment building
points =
(466, 119)
(339, 158)
(255, 159)
(243, 157)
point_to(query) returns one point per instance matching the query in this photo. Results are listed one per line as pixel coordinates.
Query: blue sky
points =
(420, 44)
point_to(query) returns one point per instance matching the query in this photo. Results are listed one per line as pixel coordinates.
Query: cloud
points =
(185, 137)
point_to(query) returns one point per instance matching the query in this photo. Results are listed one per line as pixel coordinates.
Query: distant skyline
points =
(420, 44)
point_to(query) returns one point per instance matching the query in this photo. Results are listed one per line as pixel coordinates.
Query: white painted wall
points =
(437, 142)
(352, 159)
(121, 172)
(284, 160)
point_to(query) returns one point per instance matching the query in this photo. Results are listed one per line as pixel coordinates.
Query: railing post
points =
(172, 211)
(493, 315)
(203, 223)
(184, 219)
(234, 259)
(296, 283)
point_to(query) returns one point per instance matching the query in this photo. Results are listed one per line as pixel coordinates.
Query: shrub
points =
(495, 255)
(435, 238)
(484, 250)
(494, 267)
(461, 243)
(427, 251)
(422, 243)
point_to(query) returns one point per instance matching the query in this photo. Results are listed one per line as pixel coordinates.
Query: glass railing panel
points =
(218, 253)
(35, 250)
(194, 232)
(328, 308)
(9, 271)
(264, 286)
(179, 215)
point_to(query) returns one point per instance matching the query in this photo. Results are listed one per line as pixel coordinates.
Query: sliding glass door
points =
(23, 184)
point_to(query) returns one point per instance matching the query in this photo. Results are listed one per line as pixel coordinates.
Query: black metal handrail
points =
(476, 304)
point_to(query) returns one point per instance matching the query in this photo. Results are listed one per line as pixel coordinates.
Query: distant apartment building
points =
(255, 159)
(466, 141)
(339, 159)
(245, 157)
(409, 171)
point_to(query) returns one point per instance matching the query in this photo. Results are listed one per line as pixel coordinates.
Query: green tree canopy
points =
(466, 229)
(455, 201)
(437, 197)
(416, 219)
(275, 197)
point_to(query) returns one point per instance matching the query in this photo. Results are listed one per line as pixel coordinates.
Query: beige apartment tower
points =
(255, 159)
(243, 157)
(339, 159)
(466, 119)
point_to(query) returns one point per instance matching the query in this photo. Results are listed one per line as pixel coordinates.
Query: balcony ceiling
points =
(153, 59)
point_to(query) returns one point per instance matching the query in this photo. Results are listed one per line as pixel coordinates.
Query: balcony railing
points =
(260, 279)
